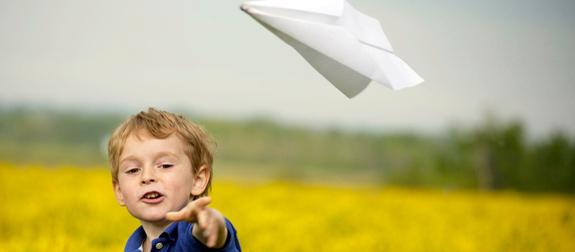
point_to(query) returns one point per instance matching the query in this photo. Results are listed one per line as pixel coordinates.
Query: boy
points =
(161, 171)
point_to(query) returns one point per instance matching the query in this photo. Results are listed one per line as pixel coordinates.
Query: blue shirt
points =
(178, 237)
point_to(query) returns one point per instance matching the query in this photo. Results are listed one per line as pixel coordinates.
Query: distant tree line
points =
(492, 155)
(502, 158)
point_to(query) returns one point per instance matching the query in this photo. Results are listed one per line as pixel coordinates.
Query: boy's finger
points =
(176, 216)
(211, 241)
(190, 211)
(214, 230)
(202, 202)
(209, 233)
(185, 213)
(203, 218)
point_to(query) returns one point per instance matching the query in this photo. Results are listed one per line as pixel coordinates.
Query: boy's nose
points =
(148, 176)
(148, 180)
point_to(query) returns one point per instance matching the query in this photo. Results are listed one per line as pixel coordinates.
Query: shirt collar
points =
(138, 237)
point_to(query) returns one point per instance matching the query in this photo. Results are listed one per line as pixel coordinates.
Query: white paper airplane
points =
(347, 47)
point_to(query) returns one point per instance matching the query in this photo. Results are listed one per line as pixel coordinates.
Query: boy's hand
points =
(210, 226)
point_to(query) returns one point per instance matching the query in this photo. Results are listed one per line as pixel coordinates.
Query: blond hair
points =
(162, 124)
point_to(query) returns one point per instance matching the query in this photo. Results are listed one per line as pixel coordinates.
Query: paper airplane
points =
(346, 46)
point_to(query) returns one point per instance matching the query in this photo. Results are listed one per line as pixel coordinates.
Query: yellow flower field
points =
(73, 209)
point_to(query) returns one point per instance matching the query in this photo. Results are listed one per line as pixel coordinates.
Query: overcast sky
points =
(515, 58)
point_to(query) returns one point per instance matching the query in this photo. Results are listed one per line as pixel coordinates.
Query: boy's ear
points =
(118, 193)
(201, 179)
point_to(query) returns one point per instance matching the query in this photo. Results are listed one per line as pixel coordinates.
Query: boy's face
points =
(154, 177)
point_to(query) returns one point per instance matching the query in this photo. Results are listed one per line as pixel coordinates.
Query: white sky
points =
(515, 58)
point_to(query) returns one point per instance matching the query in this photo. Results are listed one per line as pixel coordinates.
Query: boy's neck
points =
(153, 231)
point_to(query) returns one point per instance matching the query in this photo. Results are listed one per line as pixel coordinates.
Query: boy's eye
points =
(132, 170)
(166, 165)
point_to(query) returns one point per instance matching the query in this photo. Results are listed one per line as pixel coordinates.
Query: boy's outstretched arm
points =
(210, 226)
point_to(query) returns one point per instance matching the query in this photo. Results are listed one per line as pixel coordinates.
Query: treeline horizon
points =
(491, 155)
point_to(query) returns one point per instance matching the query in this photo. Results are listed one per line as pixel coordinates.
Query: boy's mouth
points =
(152, 197)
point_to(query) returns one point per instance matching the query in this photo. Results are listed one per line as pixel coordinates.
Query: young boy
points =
(161, 172)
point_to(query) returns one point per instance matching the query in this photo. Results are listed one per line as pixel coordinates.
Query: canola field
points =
(73, 209)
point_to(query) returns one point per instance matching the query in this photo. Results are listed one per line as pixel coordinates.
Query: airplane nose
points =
(245, 7)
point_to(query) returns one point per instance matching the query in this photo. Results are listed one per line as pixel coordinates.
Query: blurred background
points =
(490, 131)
